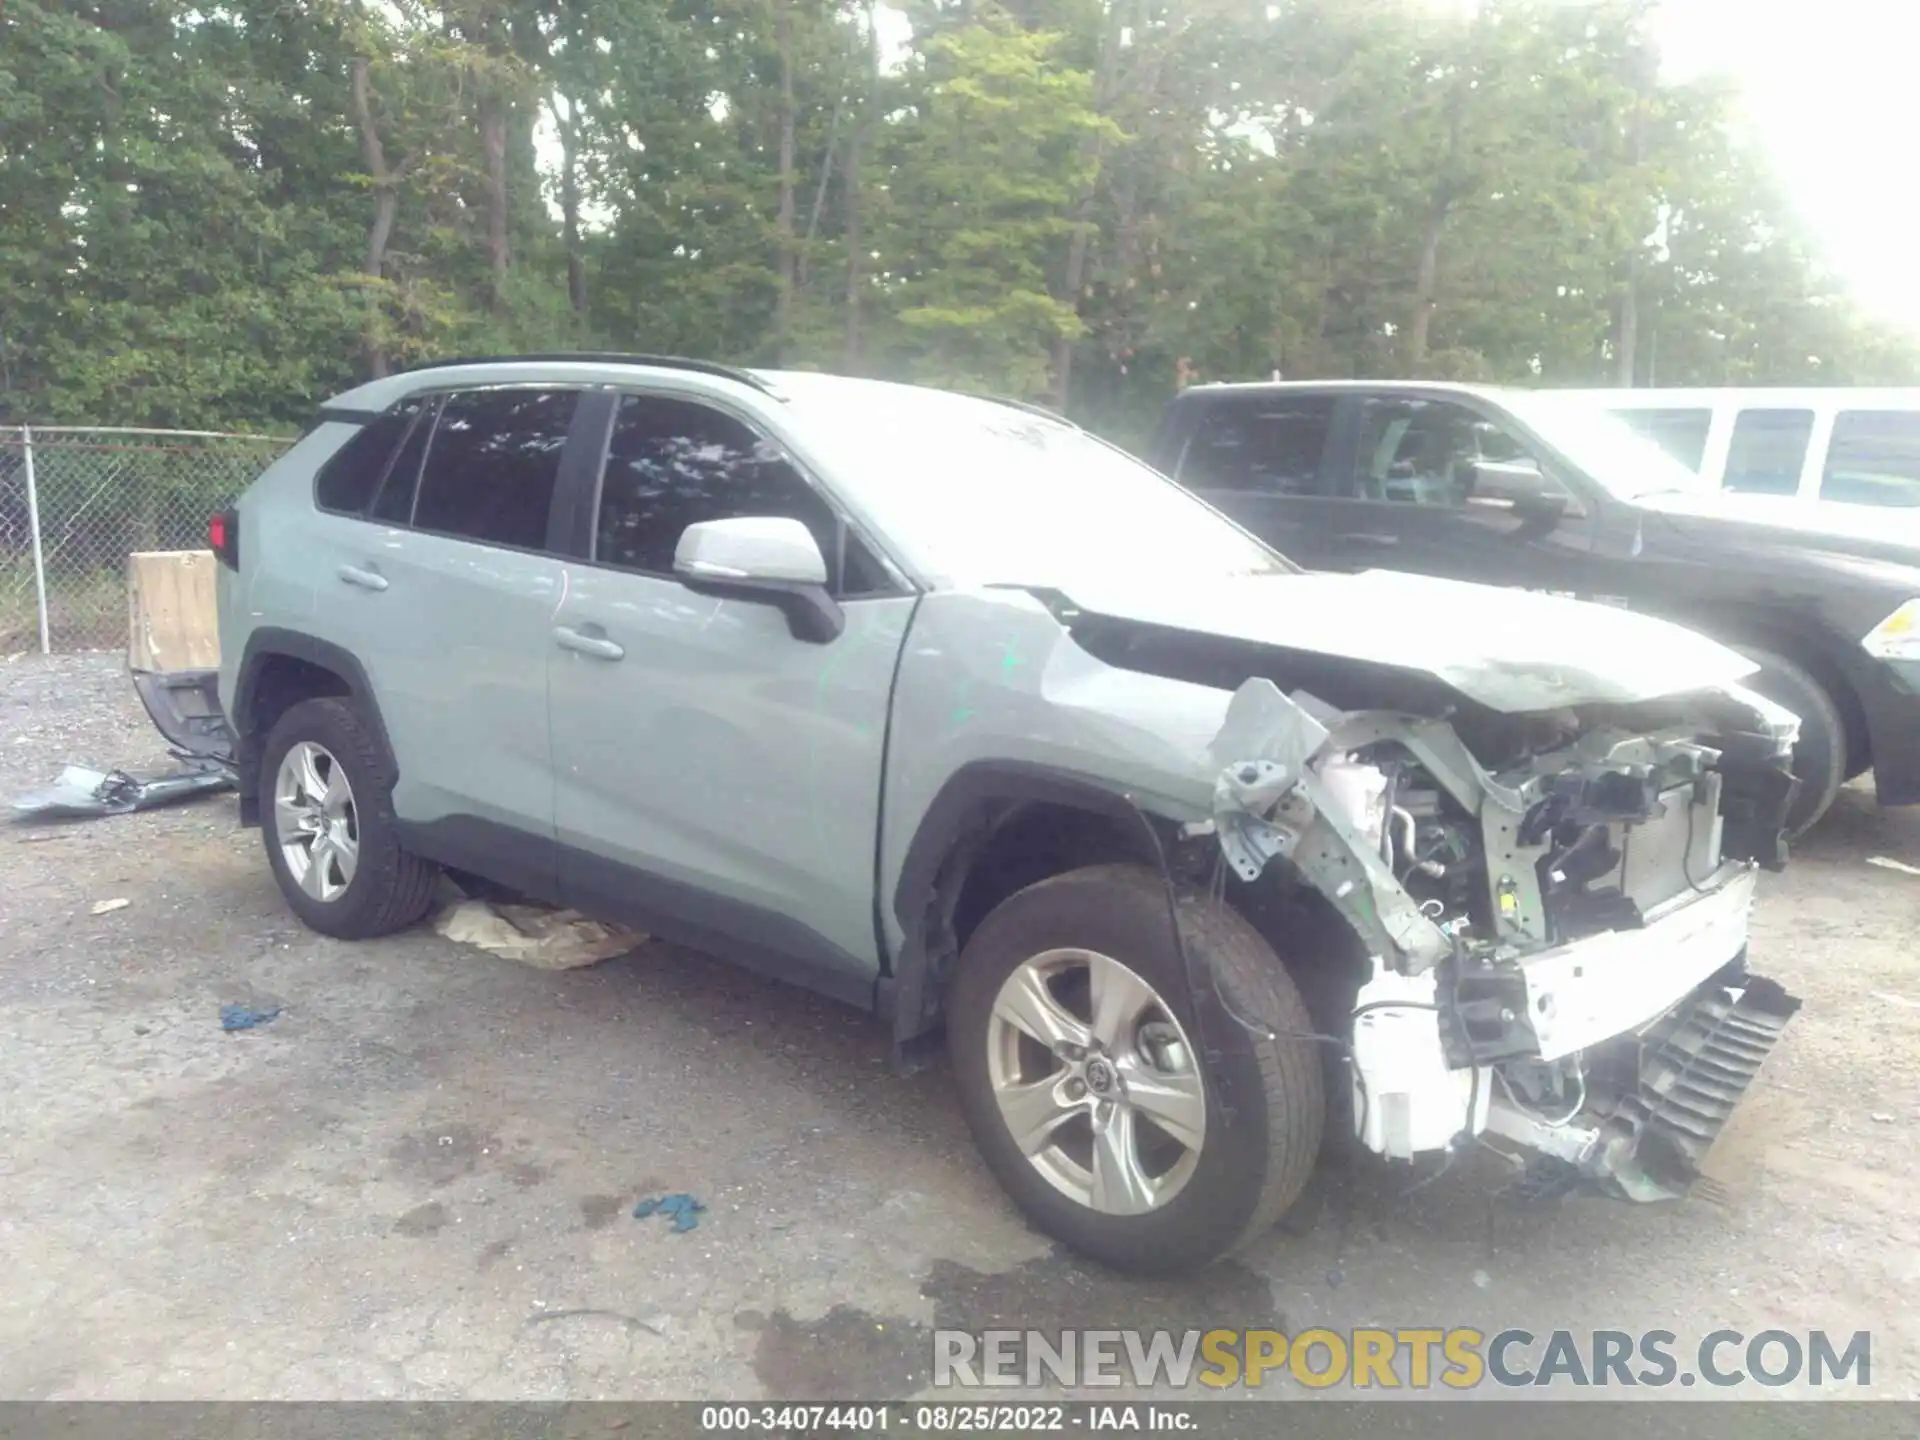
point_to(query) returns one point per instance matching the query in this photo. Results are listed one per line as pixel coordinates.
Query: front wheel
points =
(1117, 1126)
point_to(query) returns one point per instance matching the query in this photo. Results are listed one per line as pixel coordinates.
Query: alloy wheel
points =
(315, 821)
(1096, 1081)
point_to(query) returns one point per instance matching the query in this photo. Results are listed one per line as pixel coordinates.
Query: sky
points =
(1832, 88)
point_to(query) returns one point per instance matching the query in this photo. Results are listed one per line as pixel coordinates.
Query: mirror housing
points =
(1517, 486)
(768, 559)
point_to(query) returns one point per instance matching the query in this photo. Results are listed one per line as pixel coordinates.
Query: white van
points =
(1813, 446)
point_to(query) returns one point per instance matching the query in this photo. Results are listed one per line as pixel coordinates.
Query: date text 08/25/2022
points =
(1095, 1419)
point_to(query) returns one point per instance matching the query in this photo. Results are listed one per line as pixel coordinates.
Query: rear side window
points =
(1874, 458)
(492, 465)
(1681, 433)
(1266, 448)
(349, 479)
(1768, 450)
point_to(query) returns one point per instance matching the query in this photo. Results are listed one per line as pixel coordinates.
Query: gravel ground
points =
(417, 1182)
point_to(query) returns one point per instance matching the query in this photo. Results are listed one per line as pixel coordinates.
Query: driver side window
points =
(1422, 452)
(674, 463)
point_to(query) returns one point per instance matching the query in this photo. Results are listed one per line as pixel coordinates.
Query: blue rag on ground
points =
(239, 1017)
(683, 1210)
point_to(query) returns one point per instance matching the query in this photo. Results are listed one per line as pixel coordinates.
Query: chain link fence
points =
(74, 503)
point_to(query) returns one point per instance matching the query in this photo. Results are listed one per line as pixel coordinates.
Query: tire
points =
(1820, 756)
(1264, 1099)
(387, 888)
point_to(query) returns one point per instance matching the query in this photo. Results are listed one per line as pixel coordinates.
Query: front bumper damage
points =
(1567, 983)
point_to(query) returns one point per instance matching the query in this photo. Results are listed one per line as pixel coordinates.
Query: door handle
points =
(365, 579)
(1383, 542)
(598, 646)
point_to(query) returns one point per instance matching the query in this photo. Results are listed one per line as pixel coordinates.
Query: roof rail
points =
(602, 357)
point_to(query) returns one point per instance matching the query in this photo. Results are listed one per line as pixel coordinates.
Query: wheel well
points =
(1024, 844)
(283, 681)
(1810, 657)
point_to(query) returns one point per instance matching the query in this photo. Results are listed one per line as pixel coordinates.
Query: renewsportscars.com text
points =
(1412, 1358)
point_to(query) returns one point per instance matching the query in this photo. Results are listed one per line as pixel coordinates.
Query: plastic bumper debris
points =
(81, 793)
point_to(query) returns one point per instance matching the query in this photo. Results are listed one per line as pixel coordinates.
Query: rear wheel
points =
(329, 826)
(1114, 1124)
(1820, 756)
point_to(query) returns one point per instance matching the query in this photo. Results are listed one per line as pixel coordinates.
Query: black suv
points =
(1546, 492)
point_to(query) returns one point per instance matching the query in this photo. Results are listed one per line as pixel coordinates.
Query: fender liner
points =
(269, 642)
(964, 814)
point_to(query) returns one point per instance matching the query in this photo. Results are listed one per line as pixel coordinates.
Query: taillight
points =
(223, 537)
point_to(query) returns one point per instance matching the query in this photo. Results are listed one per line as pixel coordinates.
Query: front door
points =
(718, 780)
(1402, 498)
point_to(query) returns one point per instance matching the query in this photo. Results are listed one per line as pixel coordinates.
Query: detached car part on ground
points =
(1161, 833)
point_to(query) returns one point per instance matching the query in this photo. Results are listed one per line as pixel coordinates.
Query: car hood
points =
(1514, 651)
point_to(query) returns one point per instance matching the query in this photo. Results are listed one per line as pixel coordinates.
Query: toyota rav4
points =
(950, 710)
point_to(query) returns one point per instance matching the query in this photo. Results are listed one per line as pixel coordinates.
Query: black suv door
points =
(1403, 496)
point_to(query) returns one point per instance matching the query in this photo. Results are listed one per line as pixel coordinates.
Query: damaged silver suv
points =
(943, 707)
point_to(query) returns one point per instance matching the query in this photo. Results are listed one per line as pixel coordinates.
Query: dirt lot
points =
(417, 1182)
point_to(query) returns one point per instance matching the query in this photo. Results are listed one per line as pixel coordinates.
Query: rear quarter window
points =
(348, 481)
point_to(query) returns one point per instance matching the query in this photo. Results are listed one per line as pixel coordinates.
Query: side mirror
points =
(1517, 486)
(765, 558)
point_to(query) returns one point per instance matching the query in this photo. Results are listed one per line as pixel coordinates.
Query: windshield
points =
(985, 492)
(1617, 456)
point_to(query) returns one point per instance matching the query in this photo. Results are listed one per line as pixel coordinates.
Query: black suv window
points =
(674, 463)
(349, 479)
(1681, 433)
(492, 464)
(1874, 458)
(1269, 447)
(1767, 451)
(1422, 452)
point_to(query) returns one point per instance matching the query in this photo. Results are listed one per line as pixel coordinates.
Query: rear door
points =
(1403, 499)
(1260, 459)
(718, 780)
(452, 591)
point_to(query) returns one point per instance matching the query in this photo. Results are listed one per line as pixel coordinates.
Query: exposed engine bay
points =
(1553, 908)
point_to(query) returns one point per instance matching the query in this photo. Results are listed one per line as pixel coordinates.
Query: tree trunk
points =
(386, 205)
(1626, 326)
(820, 193)
(1426, 281)
(1074, 276)
(570, 207)
(850, 184)
(783, 25)
(493, 144)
